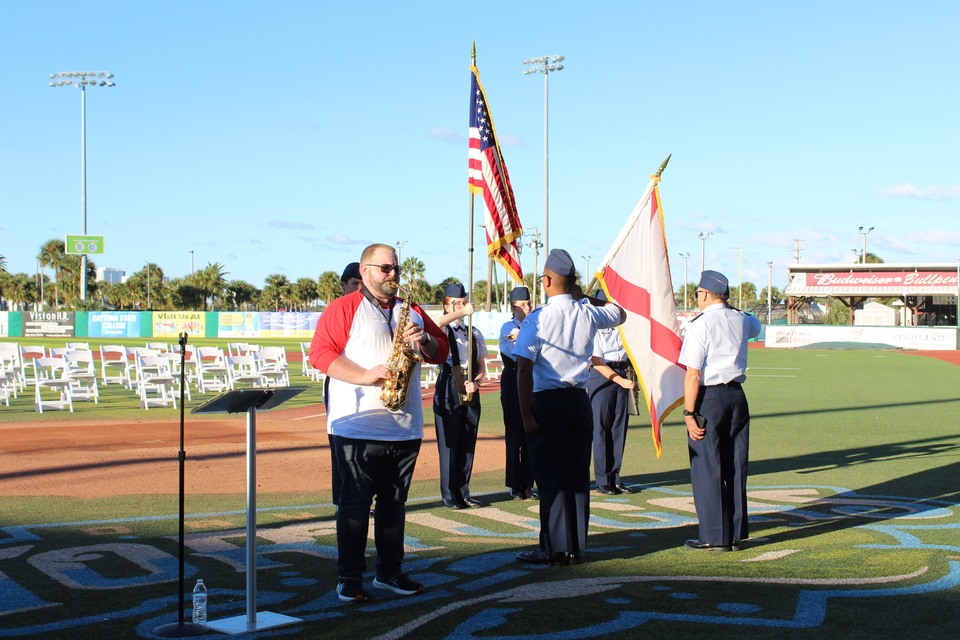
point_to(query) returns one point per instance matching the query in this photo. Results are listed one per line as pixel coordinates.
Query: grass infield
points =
(855, 532)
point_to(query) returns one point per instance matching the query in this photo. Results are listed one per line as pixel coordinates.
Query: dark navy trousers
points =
(611, 410)
(718, 465)
(456, 437)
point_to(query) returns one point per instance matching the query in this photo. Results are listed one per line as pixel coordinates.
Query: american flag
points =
(636, 275)
(488, 177)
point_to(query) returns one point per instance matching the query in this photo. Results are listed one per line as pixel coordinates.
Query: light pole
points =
(535, 244)
(399, 244)
(769, 292)
(148, 286)
(545, 65)
(863, 258)
(686, 258)
(82, 80)
(192, 270)
(740, 286)
(703, 239)
(586, 274)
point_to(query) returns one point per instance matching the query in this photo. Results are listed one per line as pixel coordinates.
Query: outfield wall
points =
(806, 335)
(228, 325)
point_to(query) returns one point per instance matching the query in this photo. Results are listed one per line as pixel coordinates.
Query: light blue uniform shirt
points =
(608, 347)
(506, 346)
(558, 339)
(716, 344)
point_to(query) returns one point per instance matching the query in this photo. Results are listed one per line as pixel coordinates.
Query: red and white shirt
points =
(352, 327)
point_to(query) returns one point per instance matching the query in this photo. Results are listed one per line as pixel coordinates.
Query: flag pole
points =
(473, 63)
(654, 181)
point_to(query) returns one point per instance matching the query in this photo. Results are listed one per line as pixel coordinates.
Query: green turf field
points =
(855, 523)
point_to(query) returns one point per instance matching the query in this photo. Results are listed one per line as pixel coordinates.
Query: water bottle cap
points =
(200, 581)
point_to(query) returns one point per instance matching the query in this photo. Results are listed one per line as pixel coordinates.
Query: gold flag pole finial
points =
(473, 54)
(663, 166)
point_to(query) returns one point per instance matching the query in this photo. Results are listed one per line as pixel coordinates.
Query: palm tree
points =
(328, 286)
(303, 293)
(277, 289)
(241, 293)
(211, 281)
(3, 264)
(52, 253)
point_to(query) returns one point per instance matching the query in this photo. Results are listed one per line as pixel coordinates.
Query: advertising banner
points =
(288, 324)
(170, 324)
(920, 338)
(238, 324)
(114, 324)
(59, 324)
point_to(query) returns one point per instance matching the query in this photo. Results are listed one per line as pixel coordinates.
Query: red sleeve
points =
(333, 330)
(443, 350)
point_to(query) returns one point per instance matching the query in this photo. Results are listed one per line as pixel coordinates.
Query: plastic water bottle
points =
(200, 603)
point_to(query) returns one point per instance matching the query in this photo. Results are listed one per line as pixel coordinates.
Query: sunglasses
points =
(385, 268)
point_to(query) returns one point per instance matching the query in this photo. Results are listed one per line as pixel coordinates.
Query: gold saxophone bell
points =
(403, 361)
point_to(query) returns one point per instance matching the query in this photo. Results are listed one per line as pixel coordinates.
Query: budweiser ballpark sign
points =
(945, 281)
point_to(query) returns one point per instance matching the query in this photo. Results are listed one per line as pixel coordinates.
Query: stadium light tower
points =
(82, 80)
(863, 256)
(545, 65)
(686, 258)
(703, 239)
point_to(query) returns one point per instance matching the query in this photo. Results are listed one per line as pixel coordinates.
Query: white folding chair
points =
(133, 371)
(27, 355)
(113, 364)
(8, 382)
(243, 372)
(212, 374)
(428, 376)
(82, 375)
(492, 364)
(272, 364)
(155, 377)
(50, 373)
(79, 346)
(162, 347)
(10, 356)
(173, 358)
(307, 370)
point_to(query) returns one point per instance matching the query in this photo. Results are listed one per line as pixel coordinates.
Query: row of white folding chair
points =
(212, 371)
(241, 348)
(82, 374)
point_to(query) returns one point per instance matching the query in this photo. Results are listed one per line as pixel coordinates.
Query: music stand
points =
(237, 401)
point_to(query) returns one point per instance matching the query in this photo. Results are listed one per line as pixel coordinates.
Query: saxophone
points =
(402, 363)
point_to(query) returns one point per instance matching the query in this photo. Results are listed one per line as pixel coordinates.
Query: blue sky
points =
(284, 136)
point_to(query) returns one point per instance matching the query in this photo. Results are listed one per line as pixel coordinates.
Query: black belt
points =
(729, 385)
(618, 363)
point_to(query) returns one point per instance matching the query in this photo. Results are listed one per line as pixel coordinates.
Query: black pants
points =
(371, 468)
(560, 453)
(718, 465)
(611, 410)
(519, 473)
(456, 437)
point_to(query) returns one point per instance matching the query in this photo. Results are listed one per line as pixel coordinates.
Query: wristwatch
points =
(689, 413)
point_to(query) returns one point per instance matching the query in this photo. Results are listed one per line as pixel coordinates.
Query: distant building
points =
(111, 275)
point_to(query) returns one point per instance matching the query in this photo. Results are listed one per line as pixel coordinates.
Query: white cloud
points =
(448, 135)
(930, 193)
(283, 224)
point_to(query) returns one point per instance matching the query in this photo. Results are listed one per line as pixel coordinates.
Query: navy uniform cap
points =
(352, 270)
(454, 290)
(715, 282)
(560, 262)
(518, 294)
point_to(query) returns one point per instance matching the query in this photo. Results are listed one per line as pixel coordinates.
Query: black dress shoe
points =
(607, 490)
(473, 504)
(704, 546)
(454, 504)
(532, 494)
(518, 494)
(574, 558)
(537, 556)
(625, 489)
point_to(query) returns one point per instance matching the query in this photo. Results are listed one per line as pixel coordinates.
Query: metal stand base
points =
(181, 630)
(242, 624)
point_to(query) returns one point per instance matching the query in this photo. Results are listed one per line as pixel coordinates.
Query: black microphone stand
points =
(181, 628)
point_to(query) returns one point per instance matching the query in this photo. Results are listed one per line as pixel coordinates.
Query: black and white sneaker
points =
(400, 584)
(351, 591)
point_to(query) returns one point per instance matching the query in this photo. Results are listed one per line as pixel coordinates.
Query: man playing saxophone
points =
(355, 344)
